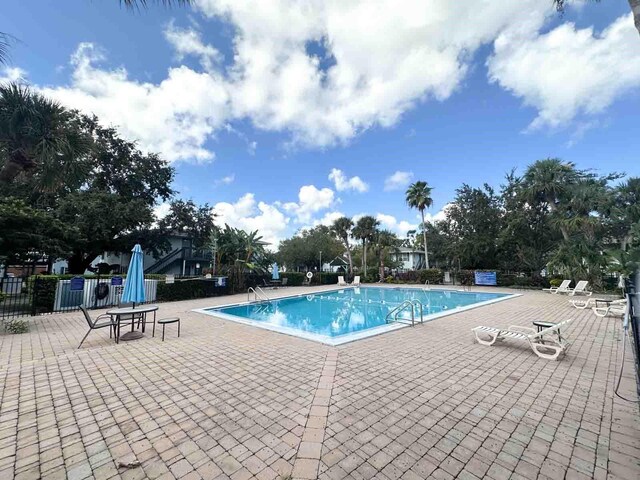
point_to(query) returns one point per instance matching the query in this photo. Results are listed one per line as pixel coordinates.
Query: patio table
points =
(541, 325)
(142, 309)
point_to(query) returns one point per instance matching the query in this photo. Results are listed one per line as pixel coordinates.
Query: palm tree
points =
(550, 182)
(38, 135)
(5, 41)
(364, 230)
(384, 242)
(418, 196)
(342, 229)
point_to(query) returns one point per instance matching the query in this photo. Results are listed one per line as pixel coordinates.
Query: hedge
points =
(189, 289)
(44, 296)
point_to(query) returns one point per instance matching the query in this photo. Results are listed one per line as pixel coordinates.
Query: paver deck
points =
(226, 400)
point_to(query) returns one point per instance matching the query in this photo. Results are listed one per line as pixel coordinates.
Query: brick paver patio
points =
(227, 400)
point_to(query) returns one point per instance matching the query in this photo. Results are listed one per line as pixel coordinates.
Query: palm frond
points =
(136, 4)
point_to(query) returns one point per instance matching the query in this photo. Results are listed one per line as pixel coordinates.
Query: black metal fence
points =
(41, 294)
(35, 295)
(633, 292)
(16, 298)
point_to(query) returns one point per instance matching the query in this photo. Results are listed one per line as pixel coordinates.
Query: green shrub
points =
(411, 276)
(294, 279)
(371, 278)
(43, 288)
(467, 277)
(17, 326)
(189, 289)
(434, 276)
(3, 296)
(555, 282)
(328, 278)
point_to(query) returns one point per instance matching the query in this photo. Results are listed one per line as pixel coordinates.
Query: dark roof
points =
(338, 262)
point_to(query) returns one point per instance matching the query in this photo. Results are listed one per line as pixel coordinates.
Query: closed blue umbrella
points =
(134, 286)
(275, 273)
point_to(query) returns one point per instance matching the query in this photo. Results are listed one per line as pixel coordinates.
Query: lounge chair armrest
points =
(520, 328)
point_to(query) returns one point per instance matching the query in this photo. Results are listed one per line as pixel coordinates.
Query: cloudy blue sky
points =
(285, 113)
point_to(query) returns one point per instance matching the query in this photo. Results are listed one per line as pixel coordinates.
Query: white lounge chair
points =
(591, 302)
(341, 281)
(539, 341)
(614, 309)
(563, 288)
(581, 289)
(356, 281)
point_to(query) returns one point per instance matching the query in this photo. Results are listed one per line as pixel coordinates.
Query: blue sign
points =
(486, 278)
(77, 284)
(116, 281)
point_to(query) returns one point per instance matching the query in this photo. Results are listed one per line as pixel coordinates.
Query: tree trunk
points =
(364, 256)
(18, 162)
(635, 8)
(79, 262)
(381, 272)
(424, 237)
(346, 242)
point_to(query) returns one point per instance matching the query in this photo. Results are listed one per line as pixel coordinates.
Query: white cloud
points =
(229, 179)
(311, 200)
(390, 222)
(422, 51)
(162, 210)
(328, 219)
(342, 182)
(567, 71)
(174, 117)
(397, 181)
(440, 215)
(188, 42)
(249, 215)
(12, 74)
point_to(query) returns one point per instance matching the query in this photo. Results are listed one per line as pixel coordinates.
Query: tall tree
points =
(119, 195)
(623, 213)
(364, 230)
(385, 242)
(302, 250)
(27, 233)
(418, 196)
(526, 237)
(188, 218)
(475, 222)
(342, 229)
(38, 135)
(106, 191)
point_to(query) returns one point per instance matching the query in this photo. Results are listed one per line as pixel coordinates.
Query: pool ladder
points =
(392, 316)
(258, 294)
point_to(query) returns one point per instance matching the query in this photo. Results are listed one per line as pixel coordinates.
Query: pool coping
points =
(348, 337)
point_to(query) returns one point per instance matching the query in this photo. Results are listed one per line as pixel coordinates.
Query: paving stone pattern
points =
(227, 400)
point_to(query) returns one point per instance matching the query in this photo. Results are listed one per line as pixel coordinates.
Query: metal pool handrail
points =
(398, 309)
(258, 294)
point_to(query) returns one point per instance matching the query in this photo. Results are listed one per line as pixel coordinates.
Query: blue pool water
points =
(342, 312)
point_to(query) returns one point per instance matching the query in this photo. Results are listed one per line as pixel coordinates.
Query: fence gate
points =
(16, 299)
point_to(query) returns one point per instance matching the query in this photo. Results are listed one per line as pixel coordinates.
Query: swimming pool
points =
(340, 316)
